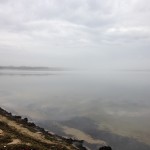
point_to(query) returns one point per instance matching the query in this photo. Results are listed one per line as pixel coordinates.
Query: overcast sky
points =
(102, 34)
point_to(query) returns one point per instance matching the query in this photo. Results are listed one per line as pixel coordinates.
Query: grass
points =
(26, 141)
(11, 133)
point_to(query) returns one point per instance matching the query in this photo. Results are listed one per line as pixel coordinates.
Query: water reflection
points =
(117, 101)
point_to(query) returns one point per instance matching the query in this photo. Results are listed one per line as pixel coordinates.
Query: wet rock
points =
(17, 117)
(25, 120)
(105, 148)
(31, 124)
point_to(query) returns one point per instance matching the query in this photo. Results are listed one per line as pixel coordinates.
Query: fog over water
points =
(116, 100)
(103, 48)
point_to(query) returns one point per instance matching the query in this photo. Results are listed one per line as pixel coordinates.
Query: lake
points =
(114, 104)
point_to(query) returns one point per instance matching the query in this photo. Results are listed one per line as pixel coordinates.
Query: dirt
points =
(23, 130)
(1, 132)
(34, 135)
(15, 141)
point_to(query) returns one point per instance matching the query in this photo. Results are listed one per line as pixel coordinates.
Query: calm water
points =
(118, 101)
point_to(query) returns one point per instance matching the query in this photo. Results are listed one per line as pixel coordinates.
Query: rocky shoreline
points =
(75, 143)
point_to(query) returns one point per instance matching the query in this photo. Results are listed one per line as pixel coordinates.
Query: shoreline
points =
(36, 130)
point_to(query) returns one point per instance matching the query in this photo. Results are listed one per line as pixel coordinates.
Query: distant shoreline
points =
(29, 68)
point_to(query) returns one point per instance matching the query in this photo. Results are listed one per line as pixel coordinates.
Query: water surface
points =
(117, 101)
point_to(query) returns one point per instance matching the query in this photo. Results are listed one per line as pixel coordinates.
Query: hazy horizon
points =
(83, 34)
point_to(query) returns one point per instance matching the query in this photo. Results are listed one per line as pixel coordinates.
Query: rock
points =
(105, 148)
(25, 120)
(17, 117)
(31, 124)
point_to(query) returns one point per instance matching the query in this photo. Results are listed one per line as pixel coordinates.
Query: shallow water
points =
(118, 101)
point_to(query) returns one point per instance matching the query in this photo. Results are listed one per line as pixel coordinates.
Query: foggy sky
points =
(101, 34)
